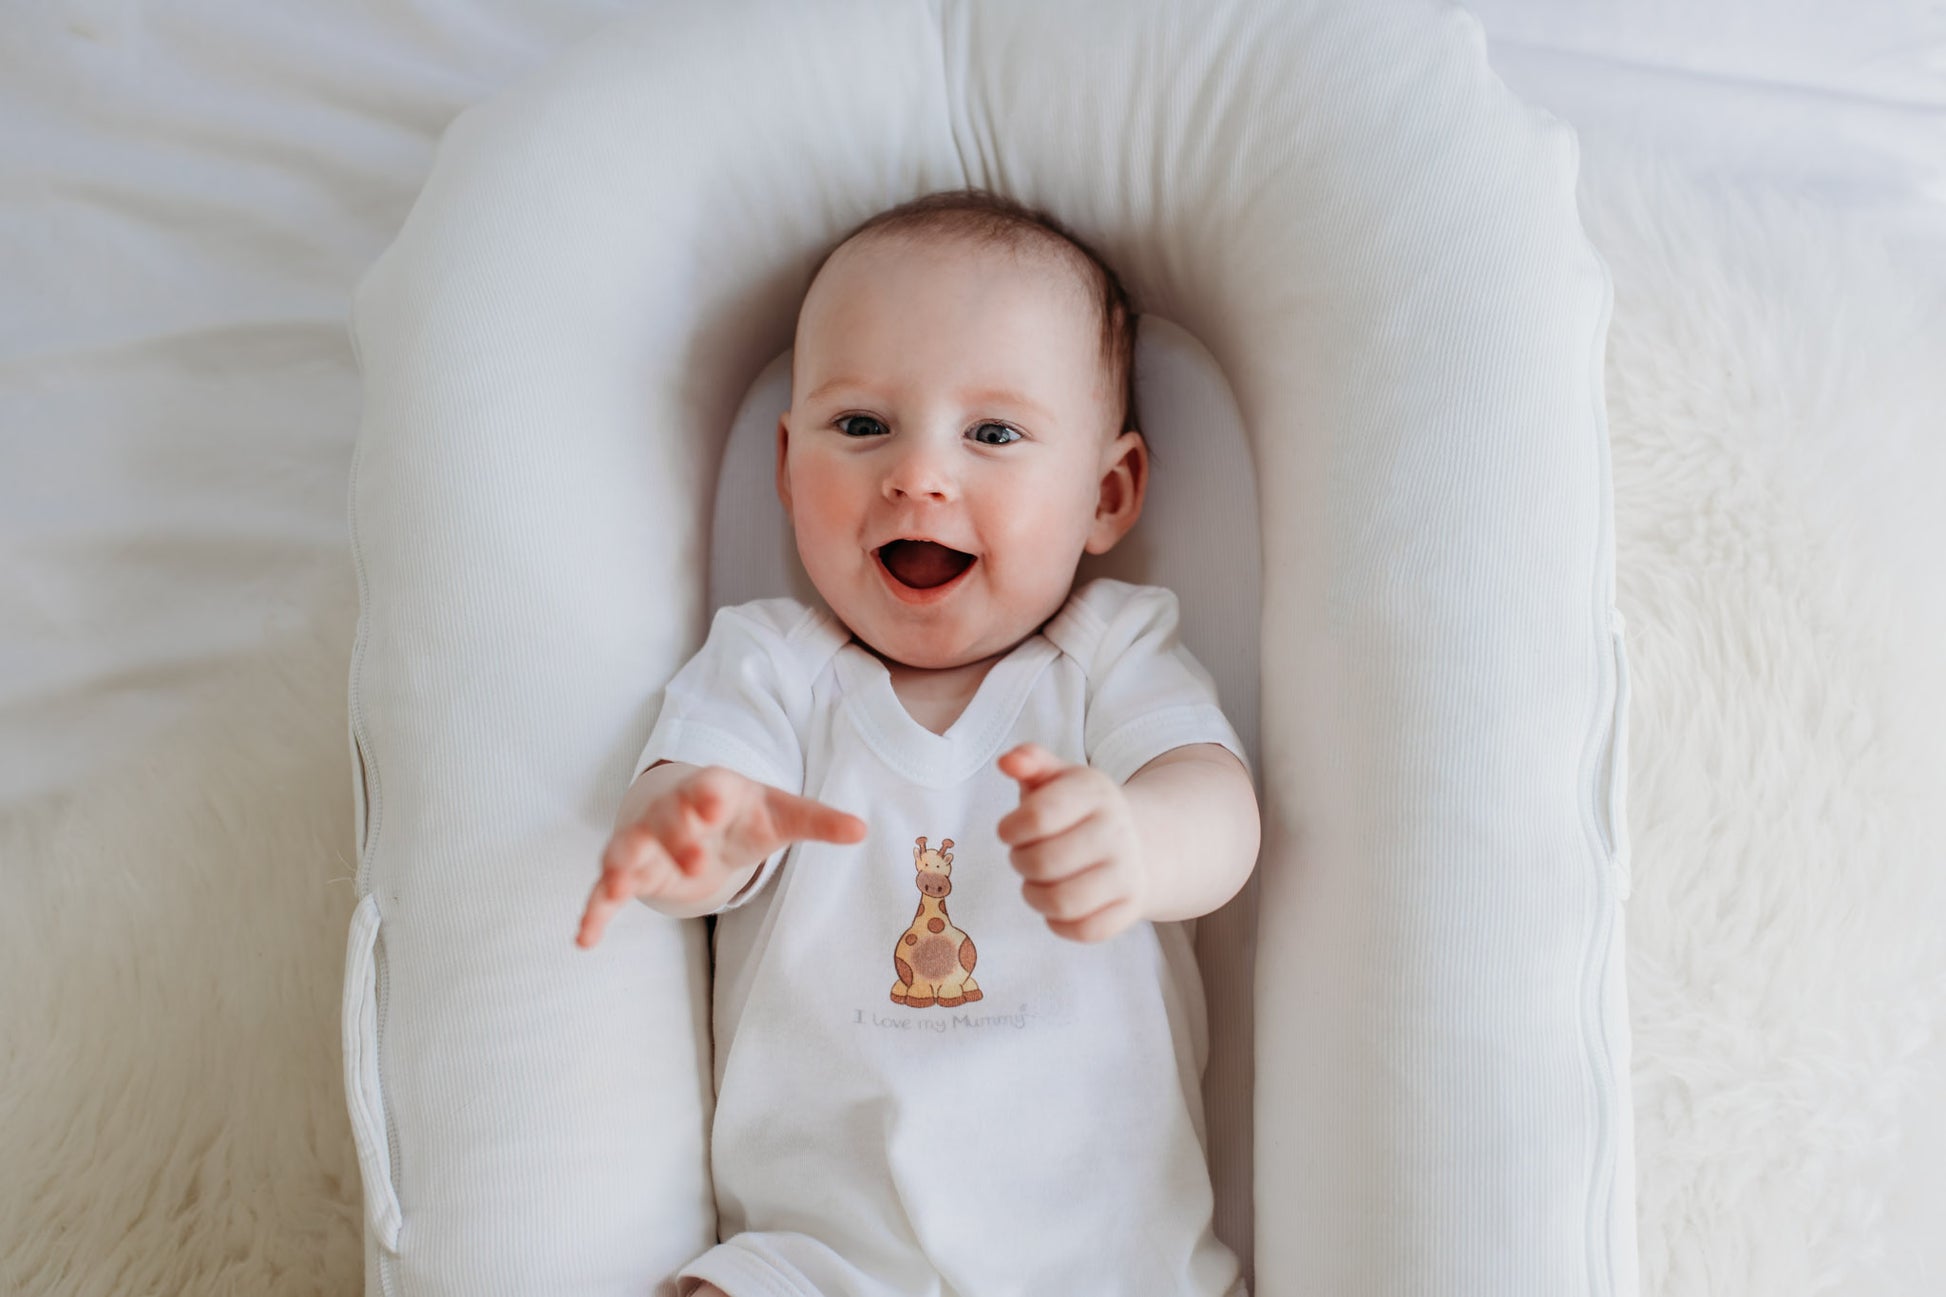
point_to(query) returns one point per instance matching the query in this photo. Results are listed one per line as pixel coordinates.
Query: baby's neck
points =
(935, 697)
(931, 672)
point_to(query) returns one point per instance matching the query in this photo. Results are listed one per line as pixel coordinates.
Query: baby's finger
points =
(1062, 854)
(1030, 764)
(676, 833)
(625, 847)
(1108, 921)
(793, 817)
(651, 874)
(1052, 807)
(638, 872)
(1077, 896)
(594, 919)
(705, 798)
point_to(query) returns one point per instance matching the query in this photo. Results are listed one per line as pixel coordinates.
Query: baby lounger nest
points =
(1385, 481)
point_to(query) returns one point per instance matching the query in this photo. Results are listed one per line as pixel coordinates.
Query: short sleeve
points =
(1146, 693)
(742, 703)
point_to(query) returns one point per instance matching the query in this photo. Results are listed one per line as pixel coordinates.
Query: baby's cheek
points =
(823, 511)
(815, 488)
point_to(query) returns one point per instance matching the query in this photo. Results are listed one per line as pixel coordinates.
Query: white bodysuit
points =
(921, 1090)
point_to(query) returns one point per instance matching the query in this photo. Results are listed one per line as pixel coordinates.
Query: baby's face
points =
(948, 457)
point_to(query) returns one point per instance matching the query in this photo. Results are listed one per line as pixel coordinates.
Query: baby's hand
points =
(1073, 839)
(691, 840)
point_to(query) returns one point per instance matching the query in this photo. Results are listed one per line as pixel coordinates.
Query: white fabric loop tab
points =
(362, 1097)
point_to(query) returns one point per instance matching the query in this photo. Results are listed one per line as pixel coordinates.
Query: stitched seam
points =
(951, 94)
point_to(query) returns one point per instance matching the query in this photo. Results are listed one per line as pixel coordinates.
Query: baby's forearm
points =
(1196, 817)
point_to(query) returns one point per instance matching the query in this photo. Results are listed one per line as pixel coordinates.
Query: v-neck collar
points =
(971, 741)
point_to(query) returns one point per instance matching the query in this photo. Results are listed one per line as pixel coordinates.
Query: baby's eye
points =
(994, 434)
(873, 427)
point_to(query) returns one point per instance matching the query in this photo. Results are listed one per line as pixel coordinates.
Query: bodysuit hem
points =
(740, 1272)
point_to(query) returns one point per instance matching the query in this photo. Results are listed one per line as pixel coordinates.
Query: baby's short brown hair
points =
(989, 218)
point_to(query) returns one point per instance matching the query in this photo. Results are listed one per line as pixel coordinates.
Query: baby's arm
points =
(688, 838)
(1174, 842)
(1196, 819)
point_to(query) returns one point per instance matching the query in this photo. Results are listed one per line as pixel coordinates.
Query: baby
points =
(1044, 785)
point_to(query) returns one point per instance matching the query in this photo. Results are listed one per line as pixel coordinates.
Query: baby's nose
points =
(899, 492)
(919, 473)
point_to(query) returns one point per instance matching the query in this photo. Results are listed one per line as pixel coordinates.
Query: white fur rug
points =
(171, 1117)
(1775, 394)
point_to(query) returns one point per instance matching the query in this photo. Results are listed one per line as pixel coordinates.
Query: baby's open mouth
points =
(922, 564)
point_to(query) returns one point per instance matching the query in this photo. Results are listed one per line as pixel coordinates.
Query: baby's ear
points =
(1124, 485)
(783, 453)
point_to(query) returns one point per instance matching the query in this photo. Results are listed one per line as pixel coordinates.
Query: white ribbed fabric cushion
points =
(1378, 246)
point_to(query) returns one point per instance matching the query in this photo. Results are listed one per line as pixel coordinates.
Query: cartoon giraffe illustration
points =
(934, 958)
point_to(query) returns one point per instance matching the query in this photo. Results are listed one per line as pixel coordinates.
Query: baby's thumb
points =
(1030, 764)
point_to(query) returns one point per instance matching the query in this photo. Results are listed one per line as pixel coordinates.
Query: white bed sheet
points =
(1845, 104)
(187, 194)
